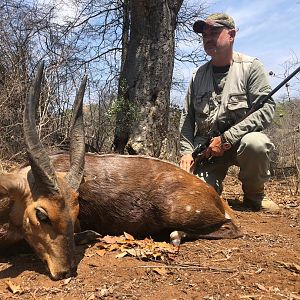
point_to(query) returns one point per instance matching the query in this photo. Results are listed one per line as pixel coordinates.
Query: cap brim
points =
(199, 25)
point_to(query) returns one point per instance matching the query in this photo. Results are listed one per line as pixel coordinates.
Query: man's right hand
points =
(186, 162)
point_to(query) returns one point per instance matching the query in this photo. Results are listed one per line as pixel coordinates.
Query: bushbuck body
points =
(142, 195)
(135, 194)
(37, 203)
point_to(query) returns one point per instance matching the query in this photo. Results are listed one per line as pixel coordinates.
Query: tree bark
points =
(145, 80)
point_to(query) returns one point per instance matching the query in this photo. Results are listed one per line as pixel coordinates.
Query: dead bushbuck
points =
(136, 194)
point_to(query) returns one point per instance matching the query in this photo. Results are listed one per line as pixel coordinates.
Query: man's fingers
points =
(186, 163)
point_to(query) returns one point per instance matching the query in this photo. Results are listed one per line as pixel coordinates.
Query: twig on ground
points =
(192, 268)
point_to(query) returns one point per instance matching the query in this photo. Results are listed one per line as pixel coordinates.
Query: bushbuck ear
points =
(3, 189)
(41, 166)
(86, 237)
(9, 183)
(77, 144)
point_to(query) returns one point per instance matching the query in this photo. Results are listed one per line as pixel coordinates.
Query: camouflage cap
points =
(215, 20)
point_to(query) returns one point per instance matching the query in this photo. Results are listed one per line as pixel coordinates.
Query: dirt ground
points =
(263, 264)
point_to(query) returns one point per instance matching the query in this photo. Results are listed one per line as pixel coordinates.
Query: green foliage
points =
(123, 108)
(286, 111)
(125, 111)
(280, 111)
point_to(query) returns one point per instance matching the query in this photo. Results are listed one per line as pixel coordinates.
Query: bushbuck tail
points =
(39, 204)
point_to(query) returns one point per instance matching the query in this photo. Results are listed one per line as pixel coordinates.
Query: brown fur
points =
(143, 195)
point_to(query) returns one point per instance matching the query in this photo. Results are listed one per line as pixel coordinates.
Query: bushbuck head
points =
(40, 204)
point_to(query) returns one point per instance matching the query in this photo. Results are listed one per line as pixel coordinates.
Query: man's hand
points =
(215, 148)
(186, 162)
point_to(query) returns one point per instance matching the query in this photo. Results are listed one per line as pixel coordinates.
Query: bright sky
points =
(268, 30)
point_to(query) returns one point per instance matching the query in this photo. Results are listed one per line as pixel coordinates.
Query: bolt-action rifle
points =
(198, 153)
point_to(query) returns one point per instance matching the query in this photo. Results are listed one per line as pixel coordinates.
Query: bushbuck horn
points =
(77, 145)
(41, 166)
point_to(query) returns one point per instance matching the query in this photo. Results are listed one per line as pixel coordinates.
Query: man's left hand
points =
(215, 148)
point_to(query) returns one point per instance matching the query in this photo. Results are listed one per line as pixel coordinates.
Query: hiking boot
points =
(260, 203)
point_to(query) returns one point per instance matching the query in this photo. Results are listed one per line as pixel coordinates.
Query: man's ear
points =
(232, 33)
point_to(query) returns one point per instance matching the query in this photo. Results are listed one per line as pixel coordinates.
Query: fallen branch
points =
(290, 266)
(192, 268)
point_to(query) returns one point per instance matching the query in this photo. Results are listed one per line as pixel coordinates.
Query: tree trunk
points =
(145, 80)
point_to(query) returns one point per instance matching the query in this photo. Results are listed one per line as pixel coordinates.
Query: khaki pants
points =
(251, 154)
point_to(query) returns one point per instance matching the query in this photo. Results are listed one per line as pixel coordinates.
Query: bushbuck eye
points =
(42, 216)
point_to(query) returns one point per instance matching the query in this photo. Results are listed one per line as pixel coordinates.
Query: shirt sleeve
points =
(187, 123)
(257, 88)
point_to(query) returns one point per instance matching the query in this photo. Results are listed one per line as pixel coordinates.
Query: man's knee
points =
(255, 144)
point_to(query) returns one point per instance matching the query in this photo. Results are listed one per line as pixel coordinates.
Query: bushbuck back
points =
(37, 203)
(142, 195)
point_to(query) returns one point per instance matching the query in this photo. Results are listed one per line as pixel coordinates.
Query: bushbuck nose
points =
(65, 274)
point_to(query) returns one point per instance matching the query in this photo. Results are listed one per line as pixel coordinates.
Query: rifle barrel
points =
(259, 104)
(281, 84)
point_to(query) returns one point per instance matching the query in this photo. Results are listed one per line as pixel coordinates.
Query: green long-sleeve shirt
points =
(218, 101)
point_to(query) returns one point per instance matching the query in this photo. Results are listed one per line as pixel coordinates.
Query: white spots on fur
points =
(170, 204)
(169, 201)
(227, 216)
(188, 208)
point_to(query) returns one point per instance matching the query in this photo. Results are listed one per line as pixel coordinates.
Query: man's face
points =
(217, 40)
